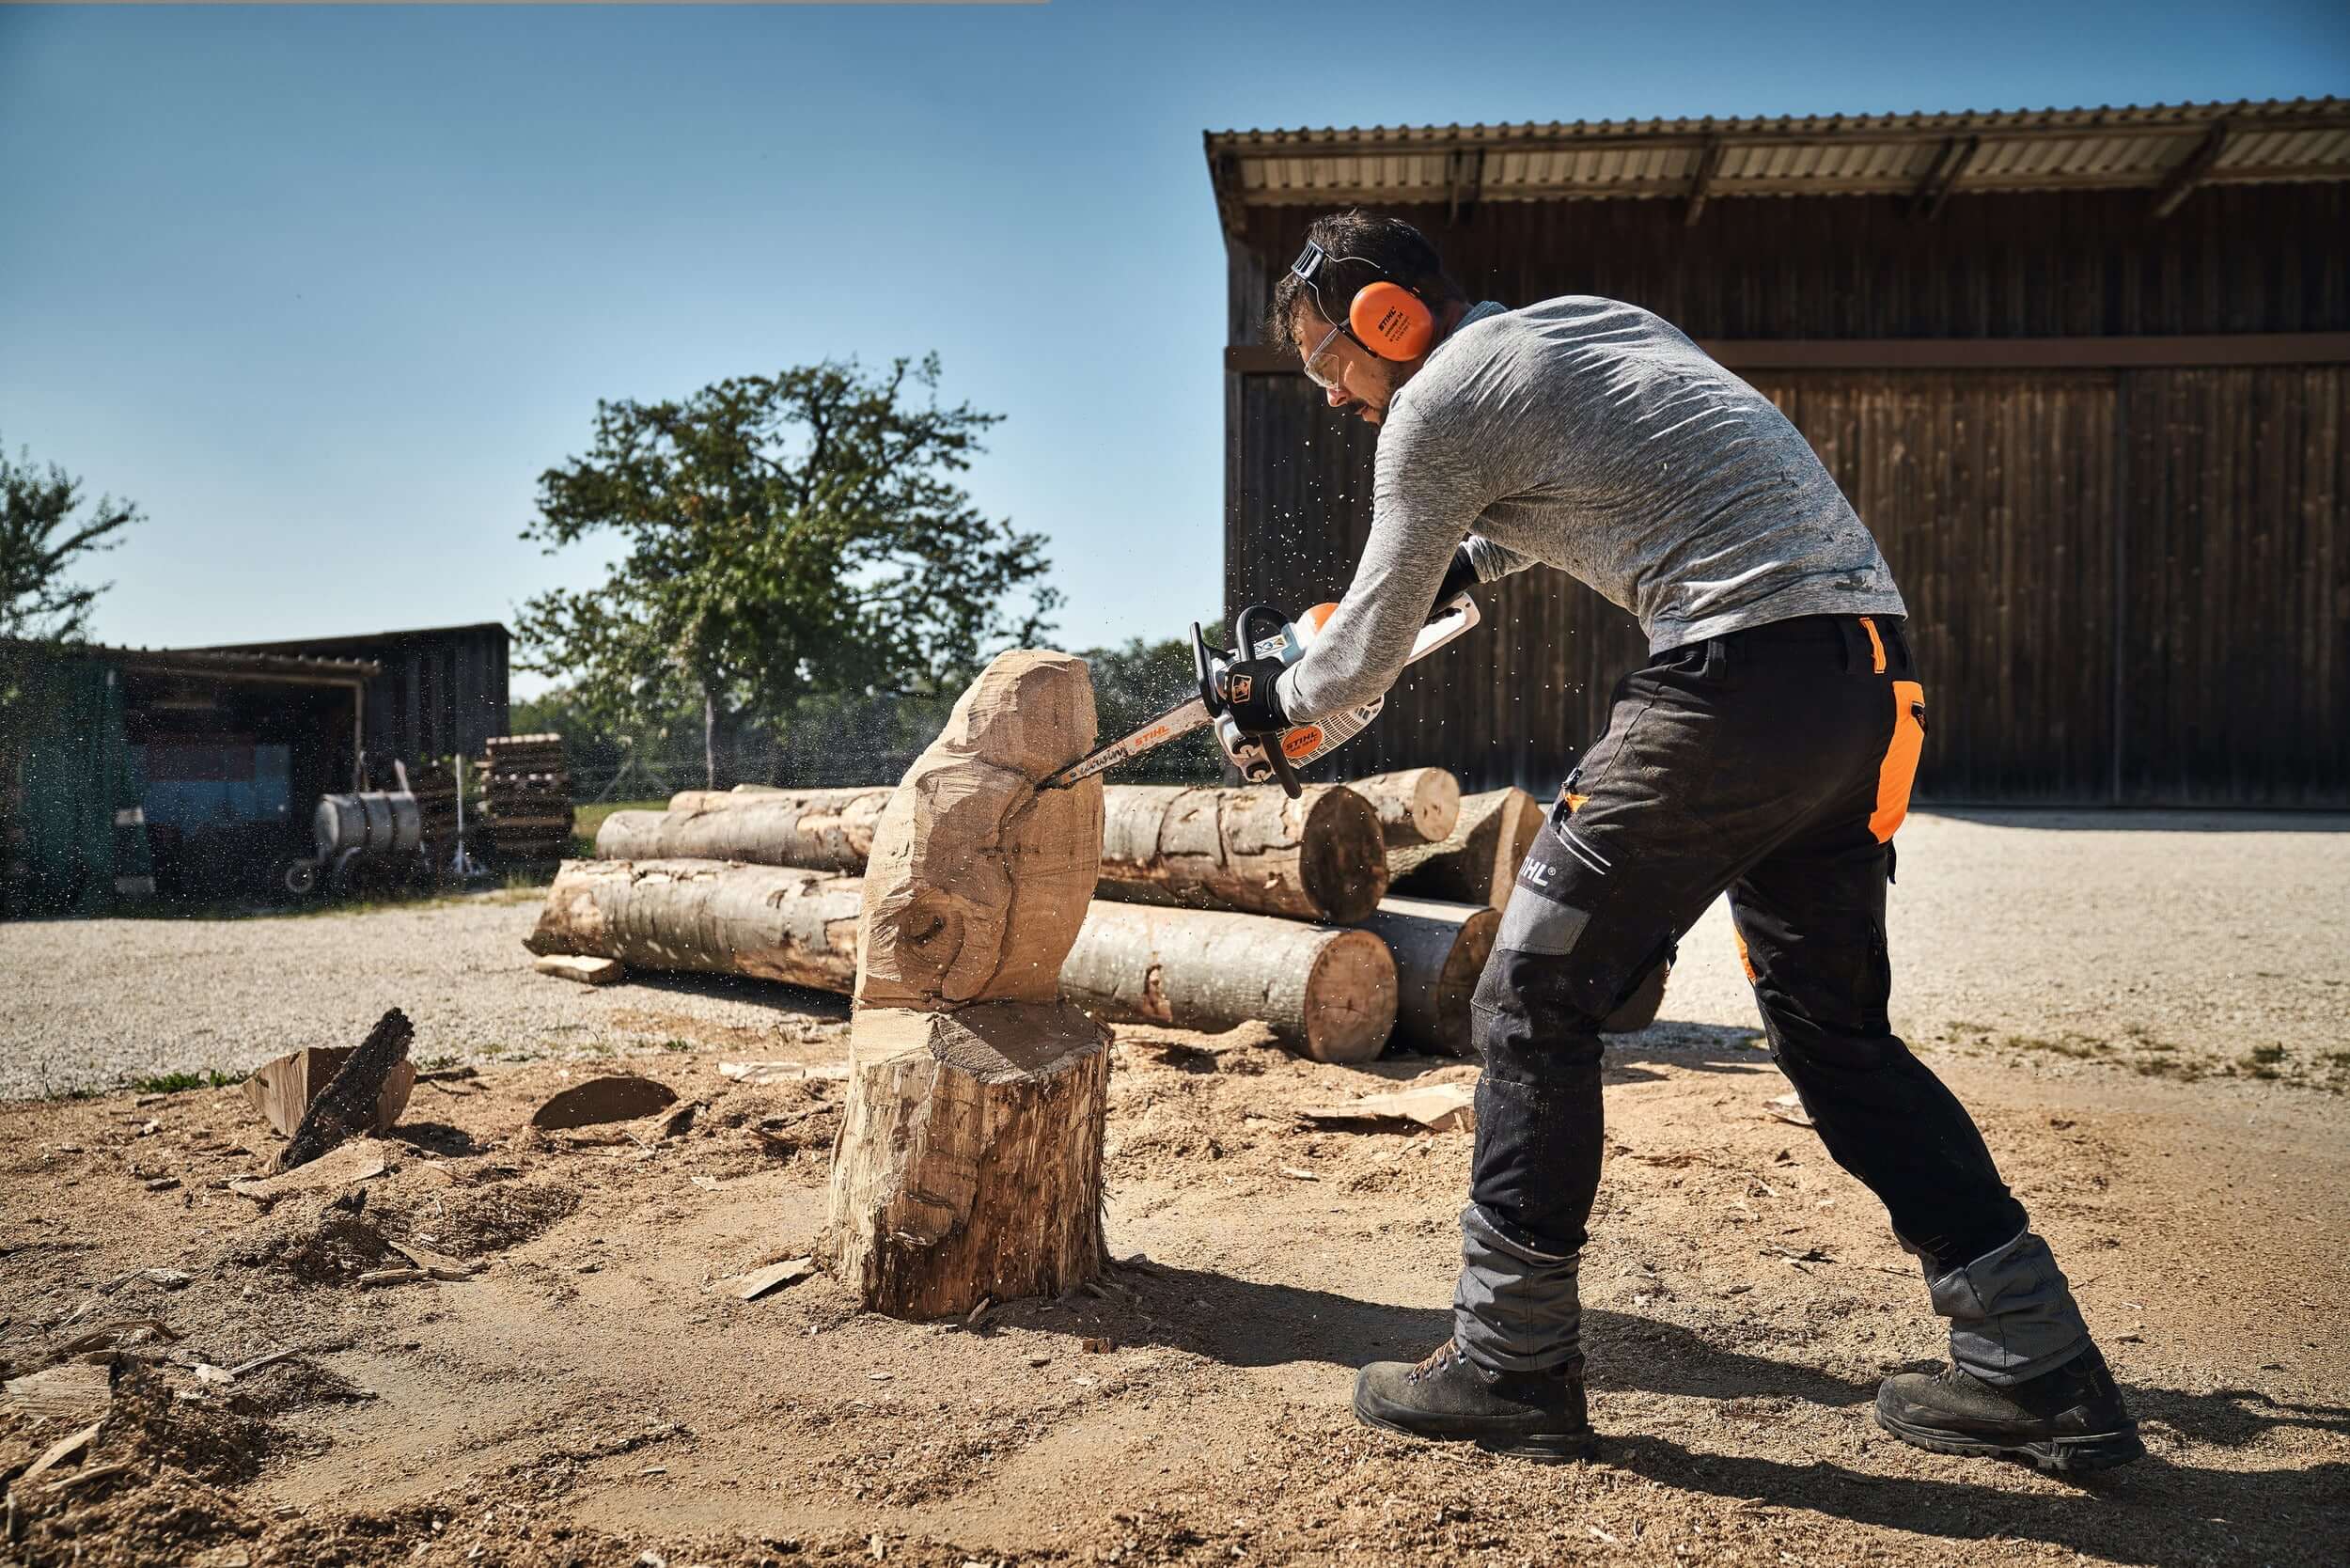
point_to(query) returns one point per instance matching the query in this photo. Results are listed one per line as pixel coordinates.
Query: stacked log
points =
(1477, 861)
(1320, 857)
(1327, 992)
(969, 1161)
(704, 917)
(825, 830)
(527, 794)
(1417, 806)
(1439, 951)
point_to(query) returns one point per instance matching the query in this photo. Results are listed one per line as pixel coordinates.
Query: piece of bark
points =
(769, 923)
(1416, 806)
(1328, 992)
(347, 1106)
(57, 1454)
(1638, 1010)
(614, 1097)
(821, 830)
(282, 1089)
(1438, 1107)
(753, 1073)
(585, 971)
(969, 1161)
(978, 880)
(75, 1388)
(360, 1160)
(1476, 862)
(1440, 949)
(1319, 857)
(760, 1281)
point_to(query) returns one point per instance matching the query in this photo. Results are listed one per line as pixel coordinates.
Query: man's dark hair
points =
(1392, 247)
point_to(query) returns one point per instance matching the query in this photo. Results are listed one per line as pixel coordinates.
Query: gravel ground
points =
(2169, 944)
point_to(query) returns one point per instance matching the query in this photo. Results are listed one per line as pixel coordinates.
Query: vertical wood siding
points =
(2125, 587)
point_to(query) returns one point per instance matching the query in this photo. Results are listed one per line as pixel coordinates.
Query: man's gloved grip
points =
(1252, 695)
(1459, 578)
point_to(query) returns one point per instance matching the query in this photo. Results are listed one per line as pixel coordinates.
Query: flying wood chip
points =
(621, 1097)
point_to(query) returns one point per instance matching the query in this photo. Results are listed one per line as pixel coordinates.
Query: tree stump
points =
(969, 1163)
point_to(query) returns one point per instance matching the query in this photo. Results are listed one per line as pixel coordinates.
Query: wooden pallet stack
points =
(527, 794)
(434, 785)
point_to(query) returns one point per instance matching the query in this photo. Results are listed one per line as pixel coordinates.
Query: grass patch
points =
(677, 1046)
(179, 1083)
(2262, 1061)
(587, 819)
(2078, 1048)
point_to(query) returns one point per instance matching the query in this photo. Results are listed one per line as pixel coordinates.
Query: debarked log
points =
(821, 830)
(1326, 991)
(770, 922)
(1320, 857)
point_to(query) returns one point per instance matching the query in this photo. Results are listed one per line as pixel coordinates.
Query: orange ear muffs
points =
(1391, 321)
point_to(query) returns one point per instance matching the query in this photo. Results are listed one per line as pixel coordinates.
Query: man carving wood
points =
(1765, 751)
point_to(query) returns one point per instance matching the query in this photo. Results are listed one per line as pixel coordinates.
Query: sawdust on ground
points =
(597, 1393)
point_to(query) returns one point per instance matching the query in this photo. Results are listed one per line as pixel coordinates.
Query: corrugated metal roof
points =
(2103, 148)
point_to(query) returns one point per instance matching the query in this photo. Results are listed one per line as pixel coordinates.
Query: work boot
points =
(2068, 1422)
(1450, 1398)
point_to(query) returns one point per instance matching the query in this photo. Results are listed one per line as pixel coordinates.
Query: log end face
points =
(1343, 863)
(1351, 999)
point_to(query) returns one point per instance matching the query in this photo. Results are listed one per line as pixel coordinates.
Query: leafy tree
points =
(1134, 684)
(41, 541)
(786, 535)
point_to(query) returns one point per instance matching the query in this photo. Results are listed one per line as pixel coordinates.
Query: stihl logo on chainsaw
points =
(1299, 744)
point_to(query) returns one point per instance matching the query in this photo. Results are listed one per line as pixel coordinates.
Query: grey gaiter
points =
(2012, 1314)
(1516, 1309)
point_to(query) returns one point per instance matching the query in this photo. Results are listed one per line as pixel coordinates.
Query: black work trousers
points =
(1773, 764)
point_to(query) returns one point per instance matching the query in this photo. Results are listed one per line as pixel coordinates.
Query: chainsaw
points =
(1267, 634)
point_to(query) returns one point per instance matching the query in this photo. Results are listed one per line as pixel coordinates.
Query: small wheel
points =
(300, 877)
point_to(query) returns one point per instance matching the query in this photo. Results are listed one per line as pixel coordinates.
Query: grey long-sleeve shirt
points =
(1589, 436)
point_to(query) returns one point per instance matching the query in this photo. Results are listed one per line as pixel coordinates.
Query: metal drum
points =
(375, 823)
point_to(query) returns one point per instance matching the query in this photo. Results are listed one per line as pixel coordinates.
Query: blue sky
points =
(323, 290)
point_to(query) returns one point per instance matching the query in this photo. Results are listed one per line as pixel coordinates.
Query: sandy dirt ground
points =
(597, 1394)
(2181, 946)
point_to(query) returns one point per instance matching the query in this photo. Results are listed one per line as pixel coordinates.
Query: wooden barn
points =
(439, 691)
(2085, 373)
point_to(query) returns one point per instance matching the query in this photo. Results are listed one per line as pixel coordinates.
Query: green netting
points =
(65, 772)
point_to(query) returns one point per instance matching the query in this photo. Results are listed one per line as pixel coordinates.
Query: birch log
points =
(969, 1164)
(1417, 806)
(768, 922)
(1316, 858)
(1479, 859)
(1439, 951)
(1326, 991)
(822, 830)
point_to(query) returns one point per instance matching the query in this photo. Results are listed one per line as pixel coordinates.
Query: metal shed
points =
(2085, 373)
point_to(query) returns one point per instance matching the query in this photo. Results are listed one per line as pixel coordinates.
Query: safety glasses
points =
(1322, 366)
